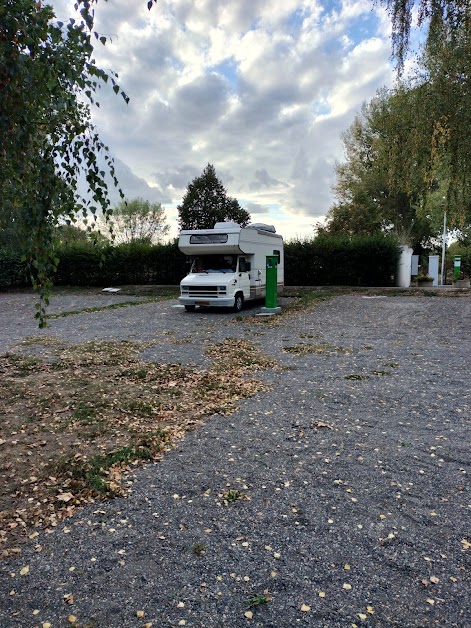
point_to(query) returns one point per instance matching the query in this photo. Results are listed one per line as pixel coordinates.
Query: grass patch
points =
(356, 377)
(315, 348)
(73, 427)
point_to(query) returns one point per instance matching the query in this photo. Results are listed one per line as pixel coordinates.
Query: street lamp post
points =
(443, 246)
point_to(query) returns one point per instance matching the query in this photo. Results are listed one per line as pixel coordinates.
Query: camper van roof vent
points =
(226, 225)
(262, 227)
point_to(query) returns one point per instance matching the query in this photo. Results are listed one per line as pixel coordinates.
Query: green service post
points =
(272, 282)
(456, 268)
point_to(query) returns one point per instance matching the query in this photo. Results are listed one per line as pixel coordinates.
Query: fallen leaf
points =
(321, 594)
(466, 544)
(347, 586)
(24, 571)
(248, 614)
(140, 614)
(434, 579)
(65, 497)
(323, 424)
(430, 601)
(370, 610)
(72, 619)
(362, 616)
(305, 608)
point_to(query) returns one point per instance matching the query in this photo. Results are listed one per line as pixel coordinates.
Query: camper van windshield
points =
(215, 264)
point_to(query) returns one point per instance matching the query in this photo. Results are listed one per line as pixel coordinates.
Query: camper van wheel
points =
(190, 308)
(238, 302)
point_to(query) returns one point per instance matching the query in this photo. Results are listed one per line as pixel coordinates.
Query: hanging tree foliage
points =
(444, 79)
(48, 83)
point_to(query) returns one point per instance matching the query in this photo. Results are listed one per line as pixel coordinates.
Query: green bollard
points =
(457, 268)
(272, 282)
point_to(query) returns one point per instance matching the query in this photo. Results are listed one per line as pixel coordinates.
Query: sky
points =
(261, 89)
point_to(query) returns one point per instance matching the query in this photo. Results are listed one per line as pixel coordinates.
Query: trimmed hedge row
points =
(126, 264)
(368, 261)
(12, 272)
(338, 261)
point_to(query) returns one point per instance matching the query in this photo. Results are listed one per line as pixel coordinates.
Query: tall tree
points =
(206, 202)
(138, 220)
(372, 196)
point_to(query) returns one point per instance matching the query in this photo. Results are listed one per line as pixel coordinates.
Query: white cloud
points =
(261, 90)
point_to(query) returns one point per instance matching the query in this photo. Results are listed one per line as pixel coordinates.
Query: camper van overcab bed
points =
(228, 264)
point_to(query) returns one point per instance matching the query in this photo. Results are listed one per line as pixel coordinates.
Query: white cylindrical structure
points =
(443, 248)
(404, 267)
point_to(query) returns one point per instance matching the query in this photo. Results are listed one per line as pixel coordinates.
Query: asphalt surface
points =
(354, 468)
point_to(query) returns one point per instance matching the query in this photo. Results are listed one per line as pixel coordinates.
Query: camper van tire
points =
(190, 308)
(238, 302)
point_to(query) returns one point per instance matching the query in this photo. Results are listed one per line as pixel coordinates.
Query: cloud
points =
(261, 90)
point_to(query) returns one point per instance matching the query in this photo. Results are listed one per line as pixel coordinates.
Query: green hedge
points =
(339, 261)
(324, 261)
(85, 264)
(12, 272)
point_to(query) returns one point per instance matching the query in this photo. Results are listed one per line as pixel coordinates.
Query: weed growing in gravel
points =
(257, 599)
(356, 376)
(234, 496)
(199, 549)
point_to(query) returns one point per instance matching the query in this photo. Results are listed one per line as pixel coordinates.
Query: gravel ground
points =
(354, 468)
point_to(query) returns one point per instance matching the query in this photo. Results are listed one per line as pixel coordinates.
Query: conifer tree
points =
(206, 203)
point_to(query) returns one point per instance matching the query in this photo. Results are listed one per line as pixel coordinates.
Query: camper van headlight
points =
(222, 288)
(185, 288)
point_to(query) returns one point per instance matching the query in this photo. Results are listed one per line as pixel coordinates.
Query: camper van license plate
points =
(201, 302)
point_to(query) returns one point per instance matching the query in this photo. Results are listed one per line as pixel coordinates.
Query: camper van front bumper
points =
(208, 301)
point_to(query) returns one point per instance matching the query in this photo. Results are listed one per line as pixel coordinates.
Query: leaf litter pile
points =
(71, 426)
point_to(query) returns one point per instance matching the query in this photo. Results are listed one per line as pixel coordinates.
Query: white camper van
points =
(228, 264)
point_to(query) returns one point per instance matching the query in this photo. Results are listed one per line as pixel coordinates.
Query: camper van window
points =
(210, 238)
(244, 265)
(215, 264)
